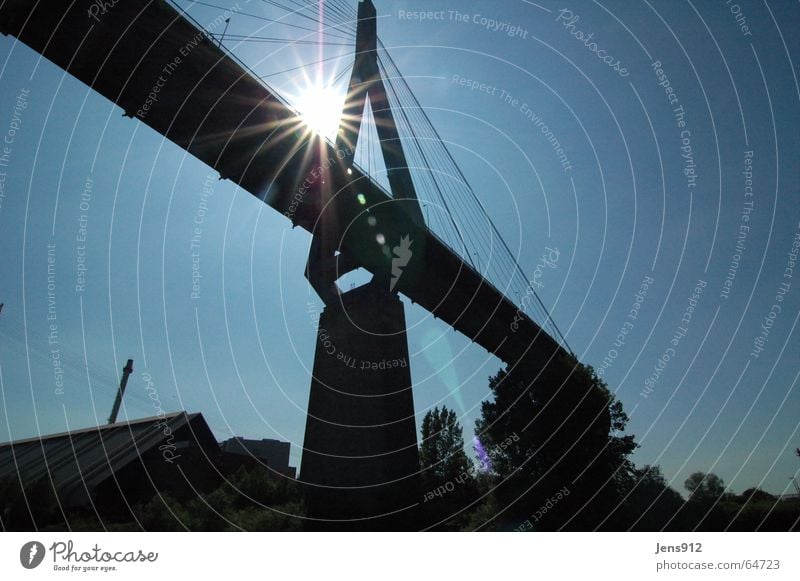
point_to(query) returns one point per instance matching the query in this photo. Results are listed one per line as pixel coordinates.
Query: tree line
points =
(552, 454)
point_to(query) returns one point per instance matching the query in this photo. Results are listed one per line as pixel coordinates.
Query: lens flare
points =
(320, 107)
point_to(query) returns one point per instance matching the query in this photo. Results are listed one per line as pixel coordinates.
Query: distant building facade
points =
(273, 453)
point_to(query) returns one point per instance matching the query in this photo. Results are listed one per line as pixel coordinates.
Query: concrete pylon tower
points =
(360, 460)
(360, 456)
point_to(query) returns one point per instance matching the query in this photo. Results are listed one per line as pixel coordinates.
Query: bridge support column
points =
(360, 461)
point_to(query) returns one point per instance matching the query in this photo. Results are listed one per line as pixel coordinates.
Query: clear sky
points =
(678, 125)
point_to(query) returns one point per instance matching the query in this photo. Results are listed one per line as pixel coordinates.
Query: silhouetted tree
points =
(248, 500)
(448, 475)
(755, 494)
(704, 509)
(705, 488)
(650, 503)
(28, 503)
(553, 436)
(757, 510)
(481, 514)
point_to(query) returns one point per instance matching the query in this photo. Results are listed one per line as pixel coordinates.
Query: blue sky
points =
(624, 212)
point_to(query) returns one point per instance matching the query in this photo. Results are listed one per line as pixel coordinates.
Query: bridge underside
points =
(217, 110)
(213, 107)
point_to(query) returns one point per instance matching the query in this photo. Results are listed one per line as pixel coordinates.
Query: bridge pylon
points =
(360, 459)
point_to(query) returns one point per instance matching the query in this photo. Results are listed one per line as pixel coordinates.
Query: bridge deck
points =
(157, 66)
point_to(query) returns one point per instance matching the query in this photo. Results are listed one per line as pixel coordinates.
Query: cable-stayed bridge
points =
(161, 68)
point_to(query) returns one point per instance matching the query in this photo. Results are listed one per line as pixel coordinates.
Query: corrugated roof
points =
(79, 460)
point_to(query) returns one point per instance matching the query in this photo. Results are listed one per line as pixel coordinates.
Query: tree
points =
(28, 503)
(248, 500)
(554, 431)
(704, 509)
(705, 488)
(711, 508)
(756, 495)
(448, 479)
(650, 503)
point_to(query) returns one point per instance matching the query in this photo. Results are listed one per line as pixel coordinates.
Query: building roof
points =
(79, 460)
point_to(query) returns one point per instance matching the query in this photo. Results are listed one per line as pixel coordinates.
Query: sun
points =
(320, 107)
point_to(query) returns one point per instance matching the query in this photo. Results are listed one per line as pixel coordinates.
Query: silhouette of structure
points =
(273, 453)
(111, 467)
(123, 383)
(360, 428)
(360, 449)
(105, 470)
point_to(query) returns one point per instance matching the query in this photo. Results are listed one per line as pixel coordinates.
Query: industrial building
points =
(108, 469)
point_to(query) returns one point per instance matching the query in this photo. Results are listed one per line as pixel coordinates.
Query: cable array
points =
(460, 218)
(451, 208)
